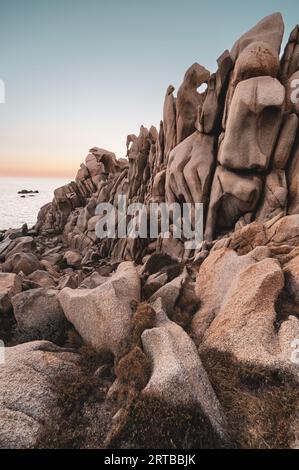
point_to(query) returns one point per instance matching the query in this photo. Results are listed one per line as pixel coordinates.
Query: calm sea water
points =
(14, 210)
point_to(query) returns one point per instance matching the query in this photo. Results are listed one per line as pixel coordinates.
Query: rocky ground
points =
(133, 343)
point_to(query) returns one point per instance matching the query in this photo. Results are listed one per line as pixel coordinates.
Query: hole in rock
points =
(202, 88)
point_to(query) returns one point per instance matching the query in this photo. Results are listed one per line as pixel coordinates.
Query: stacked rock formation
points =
(233, 148)
(187, 347)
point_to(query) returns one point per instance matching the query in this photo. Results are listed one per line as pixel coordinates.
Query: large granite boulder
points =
(28, 398)
(284, 230)
(269, 30)
(102, 316)
(245, 145)
(278, 233)
(214, 279)
(244, 325)
(256, 60)
(240, 318)
(290, 59)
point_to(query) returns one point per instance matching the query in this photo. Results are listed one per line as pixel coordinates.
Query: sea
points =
(16, 210)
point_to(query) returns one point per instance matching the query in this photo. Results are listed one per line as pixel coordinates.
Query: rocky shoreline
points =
(128, 343)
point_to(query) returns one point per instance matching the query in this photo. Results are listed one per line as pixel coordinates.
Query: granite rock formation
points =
(185, 346)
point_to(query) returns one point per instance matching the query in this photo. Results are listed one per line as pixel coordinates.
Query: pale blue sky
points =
(86, 73)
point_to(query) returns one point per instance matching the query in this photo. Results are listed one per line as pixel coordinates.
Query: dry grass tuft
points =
(153, 424)
(187, 305)
(143, 319)
(134, 369)
(259, 404)
(82, 418)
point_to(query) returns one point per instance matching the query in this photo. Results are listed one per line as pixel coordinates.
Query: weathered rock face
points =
(232, 196)
(284, 231)
(189, 169)
(256, 60)
(237, 315)
(189, 100)
(72, 258)
(27, 391)
(269, 30)
(214, 279)
(244, 325)
(246, 145)
(102, 315)
(285, 142)
(211, 112)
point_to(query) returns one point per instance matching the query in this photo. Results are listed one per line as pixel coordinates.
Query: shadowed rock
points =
(189, 169)
(10, 285)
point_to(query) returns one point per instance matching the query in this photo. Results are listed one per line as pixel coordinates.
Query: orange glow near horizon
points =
(37, 172)
(49, 165)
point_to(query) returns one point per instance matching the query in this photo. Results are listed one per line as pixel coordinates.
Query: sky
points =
(85, 73)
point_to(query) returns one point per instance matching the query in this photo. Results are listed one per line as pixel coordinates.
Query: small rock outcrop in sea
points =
(28, 191)
(153, 345)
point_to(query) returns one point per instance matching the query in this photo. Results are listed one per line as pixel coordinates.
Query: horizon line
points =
(34, 175)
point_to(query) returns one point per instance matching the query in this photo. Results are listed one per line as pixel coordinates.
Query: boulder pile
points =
(146, 342)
